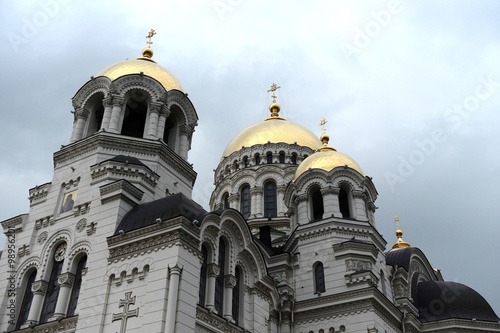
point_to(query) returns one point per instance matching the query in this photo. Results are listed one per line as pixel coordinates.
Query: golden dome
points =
(145, 65)
(274, 129)
(326, 158)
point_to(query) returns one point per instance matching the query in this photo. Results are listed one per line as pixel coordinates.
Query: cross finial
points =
(274, 87)
(150, 35)
(396, 222)
(322, 123)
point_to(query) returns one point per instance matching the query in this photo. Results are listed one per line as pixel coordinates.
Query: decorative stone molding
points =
(121, 190)
(118, 171)
(42, 237)
(38, 194)
(357, 265)
(213, 270)
(23, 250)
(39, 287)
(66, 279)
(91, 228)
(361, 277)
(230, 281)
(14, 224)
(80, 209)
(44, 222)
(66, 325)
(220, 324)
(80, 225)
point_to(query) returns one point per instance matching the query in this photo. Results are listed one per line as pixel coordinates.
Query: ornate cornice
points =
(120, 189)
(213, 321)
(66, 325)
(39, 194)
(14, 224)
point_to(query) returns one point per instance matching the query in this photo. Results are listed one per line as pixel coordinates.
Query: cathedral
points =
(115, 243)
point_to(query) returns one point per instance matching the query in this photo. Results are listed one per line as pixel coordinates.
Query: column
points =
(118, 103)
(108, 106)
(256, 202)
(281, 208)
(173, 293)
(81, 116)
(185, 134)
(331, 202)
(39, 288)
(65, 282)
(234, 201)
(229, 283)
(152, 126)
(212, 272)
(162, 120)
(301, 203)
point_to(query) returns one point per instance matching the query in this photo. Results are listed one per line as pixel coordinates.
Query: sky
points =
(410, 90)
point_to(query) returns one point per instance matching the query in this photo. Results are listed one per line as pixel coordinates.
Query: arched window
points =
(236, 166)
(245, 202)
(225, 200)
(245, 161)
(317, 207)
(219, 281)
(294, 158)
(269, 157)
(319, 278)
(49, 305)
(134, 120)
(77, 285)
(270, 202)
(282, 157)
(96, 107)
(27, 300)
(257, 158)
(344, 203)
(203, 276)
(237, 297)
(170, 132)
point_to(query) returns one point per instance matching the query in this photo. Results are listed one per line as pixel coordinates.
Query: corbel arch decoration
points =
(76, 251)
(62, 236)
(97, 85)
(31, 263)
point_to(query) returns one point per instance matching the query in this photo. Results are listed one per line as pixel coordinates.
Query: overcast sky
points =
(410, 90)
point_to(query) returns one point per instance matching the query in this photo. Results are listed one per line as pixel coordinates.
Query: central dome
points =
(274, 129)
(144, 65)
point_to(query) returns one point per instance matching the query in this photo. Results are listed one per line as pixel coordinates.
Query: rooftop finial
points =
(325, 138)
(274, 87)
(150, 35)
(400, 244)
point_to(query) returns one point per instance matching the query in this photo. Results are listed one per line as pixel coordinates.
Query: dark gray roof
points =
(126, 160)
(399, 257)
(166, 208)
(440, 300)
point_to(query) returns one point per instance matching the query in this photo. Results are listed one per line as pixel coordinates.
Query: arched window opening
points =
(227, 170)
(269, 158)
(245, 201)
(77, 285)
(49, 305)
(236, 166)
(245, 161)
(316, 204)
(134, 120)
(344, 203)
(203, 276)
(219, 281)
(294, 158)
(96, 108)
(237, 296)
(282, 157)
(225, 200)
(270, 201)
(319, 278)
(27, 300)
(170, 133)
(257, 159)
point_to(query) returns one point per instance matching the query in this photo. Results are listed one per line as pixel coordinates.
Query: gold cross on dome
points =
(322, 123)
(274, 87)
(396, 222)
(150, 35)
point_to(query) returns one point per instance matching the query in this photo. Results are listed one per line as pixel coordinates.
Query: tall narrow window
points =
(27, 300)
(319, 278)
(77, 285)
(294, 158)
(245, 202)
(269, 157)
(270, 202)
(219, 281)
(134, 120)
(236, 166)
(225, 200)
(316, 204)
(236, 296)
(203, 276)
(49, 305)
(344, 203)
(245, 161)
(257, 159)
(282, 157)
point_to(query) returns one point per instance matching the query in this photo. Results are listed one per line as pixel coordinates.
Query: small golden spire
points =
(324, 138)
(274, 107)
(400, 244)
(147, 52)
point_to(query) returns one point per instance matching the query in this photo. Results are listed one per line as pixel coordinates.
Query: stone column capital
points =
(230, 281)
(39, 287)
(66, 279)
(213, 270)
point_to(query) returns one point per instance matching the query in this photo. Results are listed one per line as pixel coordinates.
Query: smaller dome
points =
(326, 158)
(144, 65)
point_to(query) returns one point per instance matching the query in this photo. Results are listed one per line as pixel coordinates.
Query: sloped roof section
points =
(165, 209)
